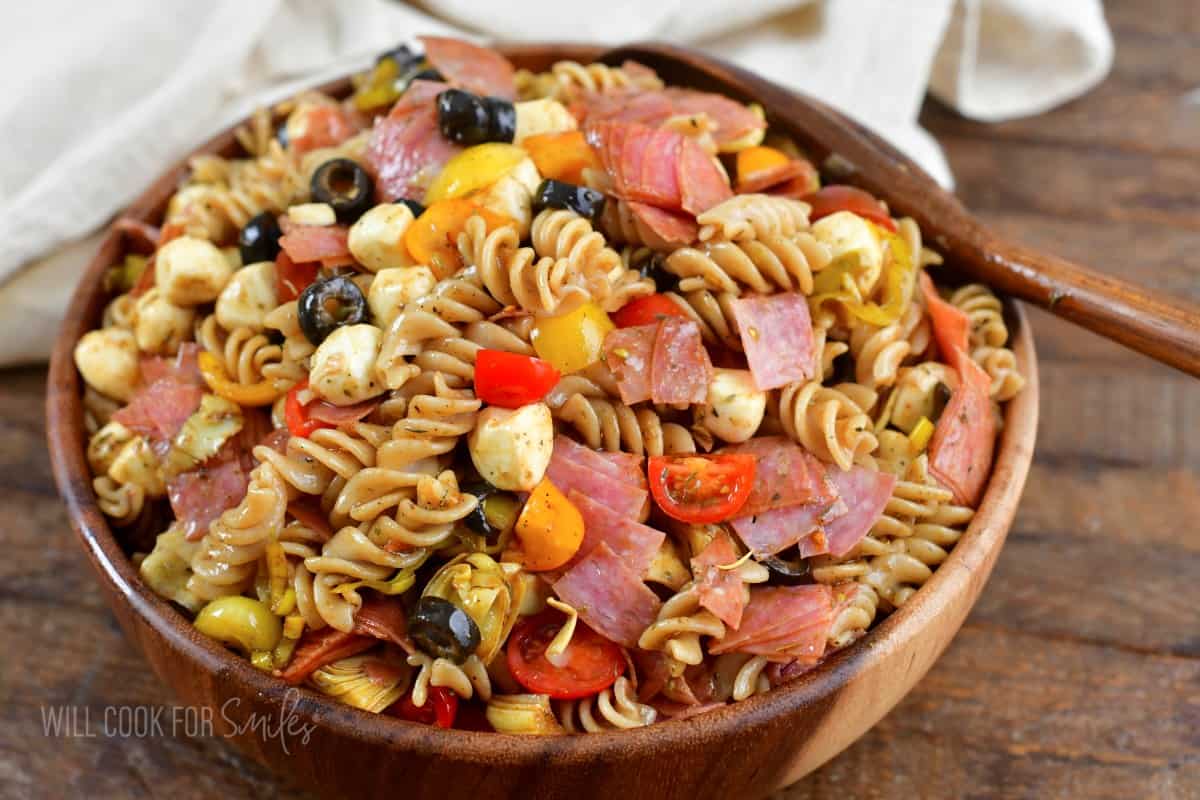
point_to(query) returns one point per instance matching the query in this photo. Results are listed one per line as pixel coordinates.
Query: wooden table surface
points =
(1077, 675)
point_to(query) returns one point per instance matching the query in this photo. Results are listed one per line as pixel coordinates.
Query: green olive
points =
(240, 622)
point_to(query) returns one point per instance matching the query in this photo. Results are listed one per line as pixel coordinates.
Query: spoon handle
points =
(1165, 328)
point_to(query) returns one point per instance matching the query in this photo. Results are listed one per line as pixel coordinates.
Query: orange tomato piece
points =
(432, 238)
(561, 156)
(759, 159)
(549, 528)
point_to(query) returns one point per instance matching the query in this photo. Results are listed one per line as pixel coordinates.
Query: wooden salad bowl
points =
(744, 750)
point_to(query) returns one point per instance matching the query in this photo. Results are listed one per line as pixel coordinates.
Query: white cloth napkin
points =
(100, 97)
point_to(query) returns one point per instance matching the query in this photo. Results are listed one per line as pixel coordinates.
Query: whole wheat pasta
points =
(451, 484)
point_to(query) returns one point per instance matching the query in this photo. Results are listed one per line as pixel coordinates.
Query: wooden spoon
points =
(1160, 326)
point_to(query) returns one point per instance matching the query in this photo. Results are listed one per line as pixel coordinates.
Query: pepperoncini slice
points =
(835, 284)
(262, 393)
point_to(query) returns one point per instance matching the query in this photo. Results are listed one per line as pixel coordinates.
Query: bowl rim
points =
(67, 445)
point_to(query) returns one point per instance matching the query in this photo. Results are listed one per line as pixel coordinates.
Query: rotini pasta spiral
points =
(564, 235)
(470, 679)
(680, 624)
(827, 422)
(1000, 364)
(348, 557)
(713, 312)
(856, 615)
(879, 351)
(516, 276)
(985, 313)
(227, 559)
(762, 265)
(754, 216)
(296, 348)
(427, 519)
(616, 707)
(426, 331)
(920, 524)
(313, 463)
(605, 424)
(120, 502)
(248, 356)
(433, 422)
(223, 194)
(570, 77)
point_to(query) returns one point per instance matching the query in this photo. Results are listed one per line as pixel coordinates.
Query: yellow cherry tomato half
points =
(473, 169)
(432, 238)
(573, 340)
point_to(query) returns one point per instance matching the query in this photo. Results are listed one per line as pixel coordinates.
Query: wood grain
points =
(1082, 702)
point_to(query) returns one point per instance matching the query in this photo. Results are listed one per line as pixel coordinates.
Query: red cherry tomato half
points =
(696, 488)
(646, 311)
(296, 415)
(323, 126)
(847, 198)
(589, 665)
(440, 709)
(511, 380)
(291, 278)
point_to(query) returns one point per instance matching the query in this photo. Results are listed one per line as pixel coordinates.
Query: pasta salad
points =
(534, 402)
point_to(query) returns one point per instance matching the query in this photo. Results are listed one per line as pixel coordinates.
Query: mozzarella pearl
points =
(735, 406)
(850, 236)
(318, 214)
(160, 326)
(108, 361)
(377, 239)
(512, 195)
(248, 297)
(542, 116)
(190, 271)
(343, 367)
(511, 448)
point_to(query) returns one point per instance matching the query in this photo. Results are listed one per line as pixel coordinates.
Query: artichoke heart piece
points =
(482, 588)
(167, 568)
(668, 568)
(367, 682)
(529, 714)
(204, 432)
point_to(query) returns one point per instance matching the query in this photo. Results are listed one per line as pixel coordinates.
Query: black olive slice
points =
(427, 74)
(443, 630)
(495, 513)
(583, 201)
(463, 117)
(502, 119)
(941, 396)
(416, 208)
(329, 304)
(345, 186)
(259, 239)
(651, 266)
(403, 55)
(788, 568)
